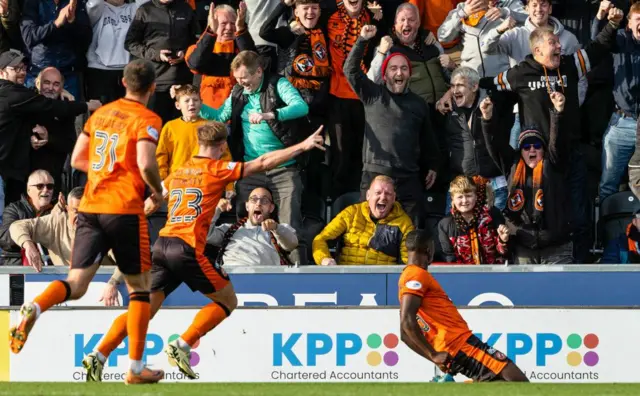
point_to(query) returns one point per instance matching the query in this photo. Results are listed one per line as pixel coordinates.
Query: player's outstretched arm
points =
(273, 159)
(80, 155)
(411, 334)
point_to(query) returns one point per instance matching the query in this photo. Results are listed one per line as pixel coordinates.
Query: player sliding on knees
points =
(117, 151)
(194, 191)
(433, 328)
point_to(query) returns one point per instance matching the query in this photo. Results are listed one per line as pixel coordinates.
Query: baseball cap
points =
(11, 58)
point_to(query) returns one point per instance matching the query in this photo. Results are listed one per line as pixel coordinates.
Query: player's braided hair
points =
(284, 258)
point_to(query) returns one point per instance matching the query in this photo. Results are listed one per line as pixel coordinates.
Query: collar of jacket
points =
(396, 212)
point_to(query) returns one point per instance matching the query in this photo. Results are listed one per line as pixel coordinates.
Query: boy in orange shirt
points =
(433, 328)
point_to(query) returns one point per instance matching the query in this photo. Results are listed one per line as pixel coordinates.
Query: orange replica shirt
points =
(114, 184)
(194, 191)
(438, 318)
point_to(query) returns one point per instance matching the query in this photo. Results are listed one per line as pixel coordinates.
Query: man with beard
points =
(264, 110)
(372, 232)
(257, 239)
(399, 140)
(428, 78)
(52, 141)
(305, 58)
(21, 107)
(36, 202)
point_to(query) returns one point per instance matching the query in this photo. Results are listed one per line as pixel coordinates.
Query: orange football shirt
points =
(194, 191)
(439, 320)
(114, 184)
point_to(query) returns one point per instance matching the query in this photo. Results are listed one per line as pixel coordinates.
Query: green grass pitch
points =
(317, 389)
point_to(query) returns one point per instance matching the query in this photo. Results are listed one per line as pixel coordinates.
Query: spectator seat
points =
(616, 212)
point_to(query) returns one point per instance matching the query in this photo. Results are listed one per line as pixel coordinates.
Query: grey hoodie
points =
(514, 43)
(472, 36)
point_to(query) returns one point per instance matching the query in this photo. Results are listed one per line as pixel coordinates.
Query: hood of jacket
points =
(558, 28)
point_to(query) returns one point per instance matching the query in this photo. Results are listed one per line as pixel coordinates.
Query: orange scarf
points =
(311, 64)
(473, 19)
(517, 199)
(633, 245)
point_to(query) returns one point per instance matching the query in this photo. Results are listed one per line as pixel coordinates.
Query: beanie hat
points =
(531, 133)
(388, 58)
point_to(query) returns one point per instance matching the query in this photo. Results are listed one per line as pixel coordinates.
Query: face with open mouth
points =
(539, 11)
(381, 197)
(259, 206)
(397, 74)
(250, 81)
(308, 14)
(532, 152)
(407, 25)
(634, 23)
(463, 93)
(464, 202)
(550, 52)
(353, 7)
(189, 105)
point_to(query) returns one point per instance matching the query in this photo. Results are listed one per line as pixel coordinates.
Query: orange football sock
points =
(57, 292)
(206, 319)
(138, 323)
(114, 337)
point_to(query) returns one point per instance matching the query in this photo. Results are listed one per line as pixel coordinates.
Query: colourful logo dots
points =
(195, 358)
(375, 358)
(589, 341)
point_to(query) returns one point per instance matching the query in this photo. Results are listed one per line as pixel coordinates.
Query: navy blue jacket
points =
(47, 45)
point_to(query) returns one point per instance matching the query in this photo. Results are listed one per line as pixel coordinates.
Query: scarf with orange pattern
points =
(517, 200)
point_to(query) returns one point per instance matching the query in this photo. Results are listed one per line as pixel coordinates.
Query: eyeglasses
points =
(42, 186)
(20, 69)
(527, 147)
(261, 200)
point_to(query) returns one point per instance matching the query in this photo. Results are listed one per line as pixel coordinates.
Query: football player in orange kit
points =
(179, 255)
(433, 328)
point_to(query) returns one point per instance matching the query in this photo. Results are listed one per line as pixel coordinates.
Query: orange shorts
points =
(478, 361)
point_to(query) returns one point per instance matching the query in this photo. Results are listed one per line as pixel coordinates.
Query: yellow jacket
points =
(178, 143)
(358, 230)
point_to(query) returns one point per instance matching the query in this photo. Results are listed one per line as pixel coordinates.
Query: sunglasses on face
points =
(260, 200)
(529, 146)
(42, 186)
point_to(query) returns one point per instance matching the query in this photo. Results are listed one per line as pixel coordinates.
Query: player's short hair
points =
(40, 172)
(383, 179)
(225, 8)
(462, 185)
(76, 192)
(407, 6)
(185, 90)
(635, 9)
(538, 35)
(249, 59)
(470, 75)
(305, 2)
(212, 133)
(419, 241)
(527, 2)
(139, 75)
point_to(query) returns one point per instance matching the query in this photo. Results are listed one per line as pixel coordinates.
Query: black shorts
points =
(478, 361)
(175, 262)
(126, 235)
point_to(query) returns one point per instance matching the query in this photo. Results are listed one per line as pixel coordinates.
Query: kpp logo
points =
(154, 346)
(339, 347)
(545, 345)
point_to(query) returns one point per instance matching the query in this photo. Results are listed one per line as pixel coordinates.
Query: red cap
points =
(388, 58)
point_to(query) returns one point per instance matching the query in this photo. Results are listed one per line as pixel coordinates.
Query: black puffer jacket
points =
(16, 211)
(158, 26)
(468, 154)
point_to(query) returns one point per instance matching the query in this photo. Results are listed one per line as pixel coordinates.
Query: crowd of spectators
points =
(520, 114)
